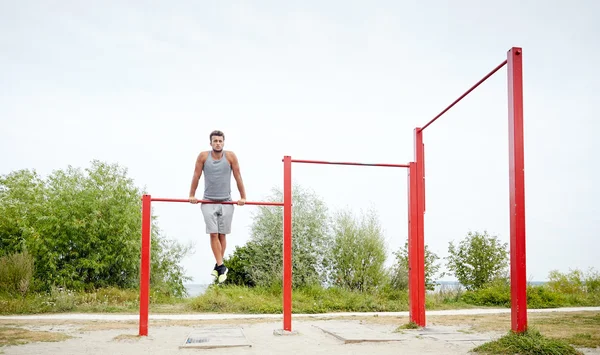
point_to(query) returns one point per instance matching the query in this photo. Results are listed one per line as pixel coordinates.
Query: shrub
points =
(359, 252)
(432, 268)
(16, 273)
(311, 243)
(477, 260)
(82, 228)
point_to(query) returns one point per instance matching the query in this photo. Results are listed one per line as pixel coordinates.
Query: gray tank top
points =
(217, 178)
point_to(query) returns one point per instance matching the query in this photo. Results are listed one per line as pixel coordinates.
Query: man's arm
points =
(235, 167)
(196, 178)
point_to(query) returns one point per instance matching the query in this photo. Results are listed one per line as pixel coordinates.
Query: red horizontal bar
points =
(466, 93)
(156, 199)
(346, 163)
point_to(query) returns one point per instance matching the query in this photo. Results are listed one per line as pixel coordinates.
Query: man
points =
(217, 165)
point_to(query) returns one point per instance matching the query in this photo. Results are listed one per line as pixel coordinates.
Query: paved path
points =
(225, 316)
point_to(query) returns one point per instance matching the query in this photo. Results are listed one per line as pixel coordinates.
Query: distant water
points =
(195, 290)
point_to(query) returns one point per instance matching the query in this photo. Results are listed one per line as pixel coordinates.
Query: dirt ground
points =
(446, 334)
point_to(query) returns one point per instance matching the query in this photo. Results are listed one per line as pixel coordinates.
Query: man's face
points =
(217, 143)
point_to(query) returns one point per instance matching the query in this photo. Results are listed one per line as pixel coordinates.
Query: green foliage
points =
(359, 252)
(400, 268)
(16, 273)
(82, 226)
(528, 342)
(261, 259)
(494, 294)
(563, 290)
(478, 259)
(166, 273)
(575, 282)
(307, 299)
(239, 265)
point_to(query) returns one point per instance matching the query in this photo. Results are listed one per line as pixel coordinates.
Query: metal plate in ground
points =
(215, 337)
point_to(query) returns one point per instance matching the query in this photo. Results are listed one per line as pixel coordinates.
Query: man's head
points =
(217, 140)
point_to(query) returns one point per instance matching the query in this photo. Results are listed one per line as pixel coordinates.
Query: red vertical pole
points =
(413, 260)
(145, 265)
(517, 191)
(420, 243)
(287, 243)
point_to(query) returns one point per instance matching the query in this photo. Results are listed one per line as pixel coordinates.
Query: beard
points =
(217, 150)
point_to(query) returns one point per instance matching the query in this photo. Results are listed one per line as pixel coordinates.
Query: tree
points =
(478, 260)
(83, 228)
(261, 260)
(359, 252)
(400, 269)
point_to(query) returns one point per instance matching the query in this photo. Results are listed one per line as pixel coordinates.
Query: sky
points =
(143, 84)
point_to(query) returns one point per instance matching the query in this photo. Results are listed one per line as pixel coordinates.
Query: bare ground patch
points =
(19, 336)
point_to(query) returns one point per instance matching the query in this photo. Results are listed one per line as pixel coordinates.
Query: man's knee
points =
(214, 235)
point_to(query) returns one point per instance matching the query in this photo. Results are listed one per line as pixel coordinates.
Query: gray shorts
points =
(218, 217)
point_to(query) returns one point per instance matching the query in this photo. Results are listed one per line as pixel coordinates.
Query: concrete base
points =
(215, 337)
(284, 332)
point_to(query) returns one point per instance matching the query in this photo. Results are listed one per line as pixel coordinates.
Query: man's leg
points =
(209, 211)
(215, 244)
(224, 223)
(223, 241)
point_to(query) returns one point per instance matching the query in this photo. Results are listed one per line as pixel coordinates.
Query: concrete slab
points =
(216, 337)
(351, 333)
(284, 332)
(452, 335)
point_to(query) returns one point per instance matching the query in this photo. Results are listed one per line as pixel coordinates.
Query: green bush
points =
(399, 271)
(358, 253)
(544, 297)
(478, 260)
(262, 257)
(82, 227)
(16, 273)
(496, 294)
(575, 281)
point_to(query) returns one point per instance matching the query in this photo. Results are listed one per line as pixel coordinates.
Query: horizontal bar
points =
(466, 93)
(346, 163)
(251, 203)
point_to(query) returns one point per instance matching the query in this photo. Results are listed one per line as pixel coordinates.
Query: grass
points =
(19, 336)
(579, 329)
(530, 342)
(240, 299)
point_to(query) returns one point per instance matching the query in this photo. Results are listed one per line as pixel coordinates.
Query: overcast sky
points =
(142, 85)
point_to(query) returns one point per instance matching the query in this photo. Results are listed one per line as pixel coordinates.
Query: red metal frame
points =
(287, 243)
(145, 252)
(250, 203)
(516, 180)
(518, 267)
(416, 312)
(416, 212)
(346, 163)
(417, 296)
(145, 265)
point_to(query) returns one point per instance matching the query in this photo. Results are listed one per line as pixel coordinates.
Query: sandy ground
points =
(359, 334)
(260, 336)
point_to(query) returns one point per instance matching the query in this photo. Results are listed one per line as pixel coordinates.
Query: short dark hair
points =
(216, 133)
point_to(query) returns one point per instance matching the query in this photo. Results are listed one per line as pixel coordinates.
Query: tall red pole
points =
(518, 271)
(287, 243)
(145, 265)
(413, 260)
(419, 254)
